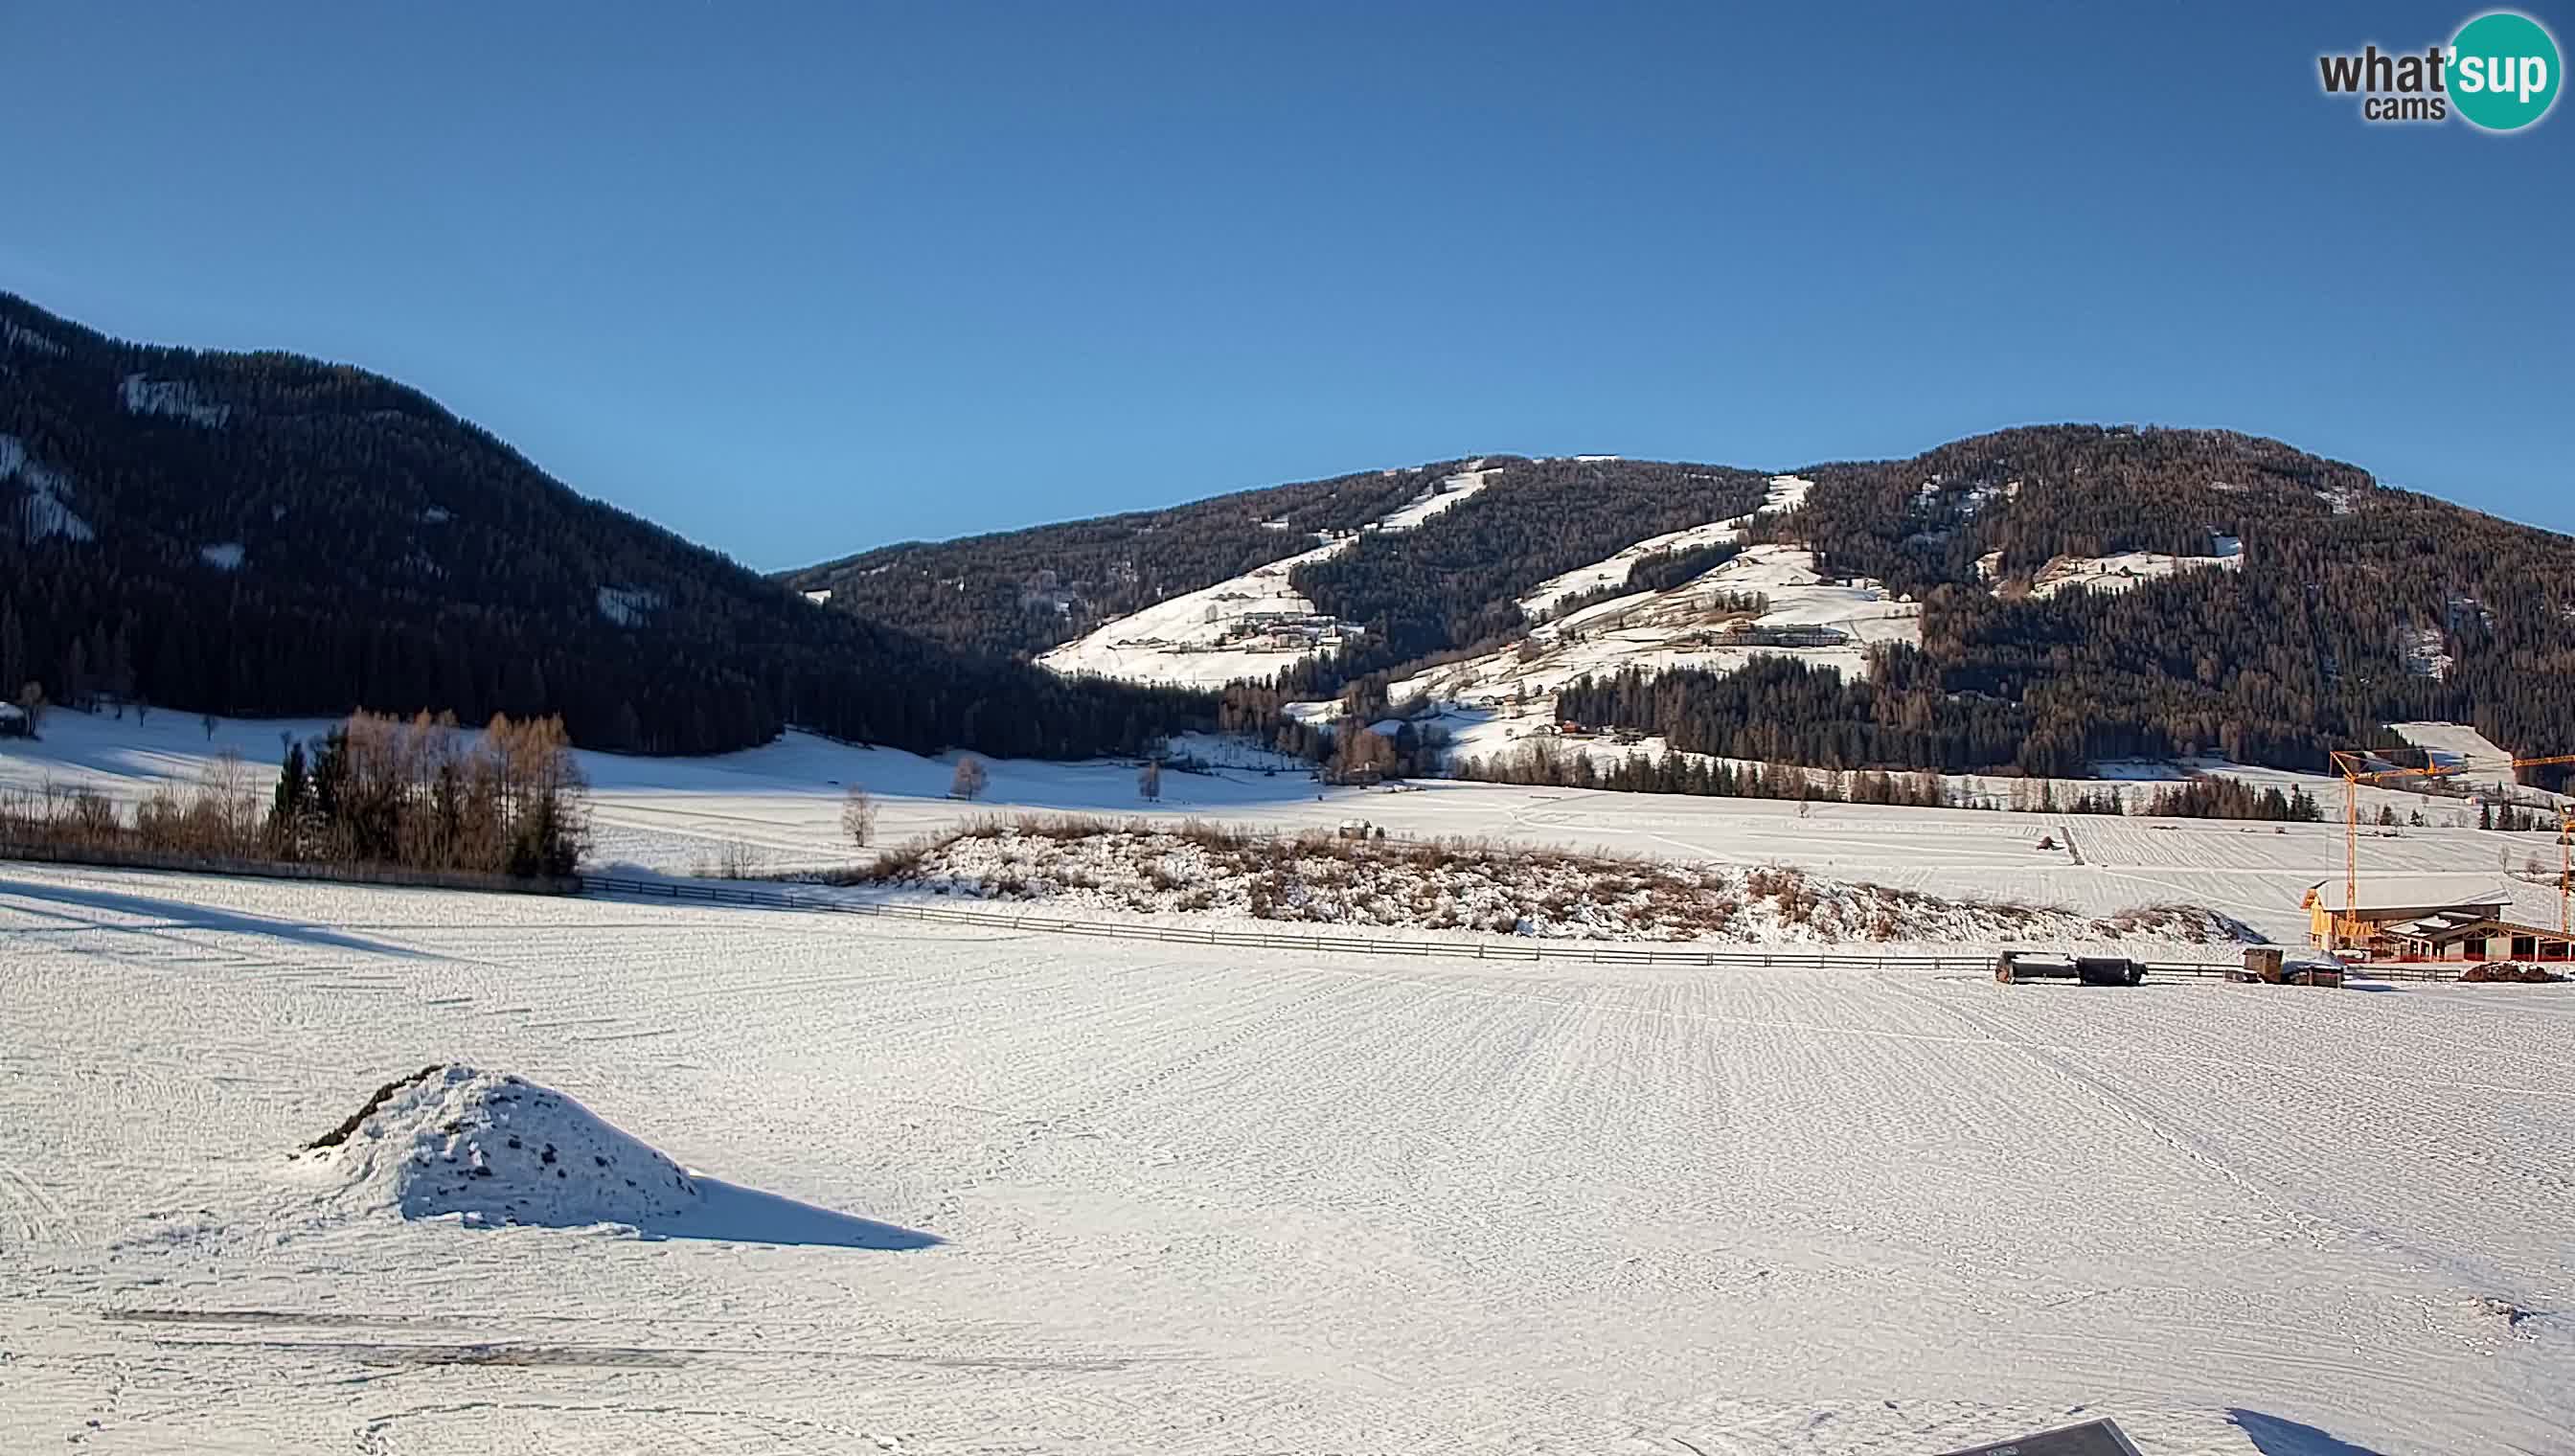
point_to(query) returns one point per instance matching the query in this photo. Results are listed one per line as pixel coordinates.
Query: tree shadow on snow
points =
(169, 914)
(2275, 1436)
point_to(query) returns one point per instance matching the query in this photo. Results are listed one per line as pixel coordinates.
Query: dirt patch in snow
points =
(1513, 889)
(358, 1119)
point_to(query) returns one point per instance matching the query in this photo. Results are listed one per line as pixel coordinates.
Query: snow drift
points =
(492, 1149)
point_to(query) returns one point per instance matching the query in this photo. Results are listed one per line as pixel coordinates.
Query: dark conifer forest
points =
(265, 534)
(2354, 605)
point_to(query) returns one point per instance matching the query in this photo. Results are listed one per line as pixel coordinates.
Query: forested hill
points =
(2309, 606)
(263, 534)
(2087, 593)
(1443, 584)
(1026, 590)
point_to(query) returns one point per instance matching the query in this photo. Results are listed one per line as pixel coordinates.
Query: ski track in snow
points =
(1204, 1199)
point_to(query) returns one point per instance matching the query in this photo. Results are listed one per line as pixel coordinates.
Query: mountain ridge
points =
(2122, 587)
(266, 534)
(262, 532)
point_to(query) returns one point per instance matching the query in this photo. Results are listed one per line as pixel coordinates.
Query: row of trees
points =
(416, 794)
(421, 794)
(1552, 762)
(2232, 798)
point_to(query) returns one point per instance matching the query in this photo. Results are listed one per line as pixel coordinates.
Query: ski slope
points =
(1171, 1198)
(1787, 493)
(1248, 626)
(1252, 626)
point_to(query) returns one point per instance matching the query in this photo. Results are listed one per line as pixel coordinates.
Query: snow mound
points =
(1202, 870)
(492, 1148)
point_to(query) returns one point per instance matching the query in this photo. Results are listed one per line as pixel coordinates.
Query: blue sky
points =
(796, 280)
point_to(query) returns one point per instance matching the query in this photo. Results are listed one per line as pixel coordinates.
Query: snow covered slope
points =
(1448, 494)
(2459, 746)
(1192, 1198)
(1787, 494)
(1769, 600)
(2124, 571)
(1252, 626)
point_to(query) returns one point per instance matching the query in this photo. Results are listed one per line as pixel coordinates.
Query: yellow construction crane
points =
(2354, 767)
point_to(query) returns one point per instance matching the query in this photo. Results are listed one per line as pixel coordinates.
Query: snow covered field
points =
(776, 808)
(998, 1193)
(2123, 573)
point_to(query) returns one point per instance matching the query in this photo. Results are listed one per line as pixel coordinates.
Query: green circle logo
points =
(2504, 71)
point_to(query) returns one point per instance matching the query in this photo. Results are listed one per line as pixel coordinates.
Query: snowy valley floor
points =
(1195, 1200)
(776, 808)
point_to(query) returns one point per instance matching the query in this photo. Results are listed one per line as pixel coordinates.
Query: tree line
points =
(375, 791)
(1554, 762)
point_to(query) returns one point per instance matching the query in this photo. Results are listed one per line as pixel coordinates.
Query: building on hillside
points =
(2388, 900)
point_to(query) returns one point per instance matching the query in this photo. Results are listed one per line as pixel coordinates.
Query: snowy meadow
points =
(980, 1191)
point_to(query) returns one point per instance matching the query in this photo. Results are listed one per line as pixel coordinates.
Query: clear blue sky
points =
(794, 280)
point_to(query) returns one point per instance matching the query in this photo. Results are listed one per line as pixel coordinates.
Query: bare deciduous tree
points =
(971, 780)
(859, 816)
(1148, 780)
